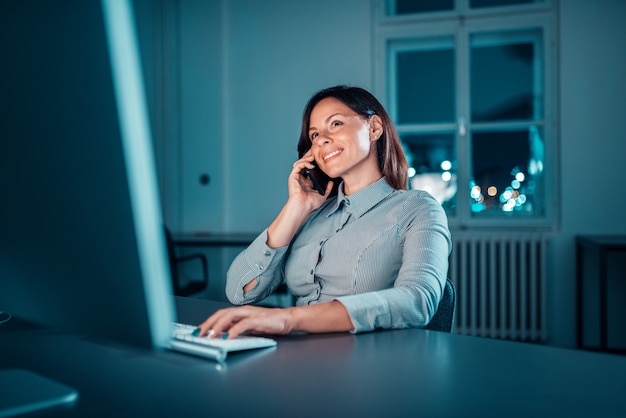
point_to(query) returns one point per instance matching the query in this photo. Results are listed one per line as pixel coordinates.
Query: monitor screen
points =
(81, 236)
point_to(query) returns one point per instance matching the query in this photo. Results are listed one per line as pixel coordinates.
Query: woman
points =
(366, 254)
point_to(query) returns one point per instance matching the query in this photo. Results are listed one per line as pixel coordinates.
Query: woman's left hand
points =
(250, 319)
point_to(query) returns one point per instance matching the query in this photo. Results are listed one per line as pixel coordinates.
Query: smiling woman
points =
(342, 146)
(357, 102)
(365, 254)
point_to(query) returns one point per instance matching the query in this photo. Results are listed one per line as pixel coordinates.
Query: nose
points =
(323, 138)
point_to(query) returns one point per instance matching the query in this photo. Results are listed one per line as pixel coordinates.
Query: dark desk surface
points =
(214, 239)
(604, 241)
(414, 373)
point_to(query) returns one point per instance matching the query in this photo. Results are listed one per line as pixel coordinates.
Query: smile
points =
(332, 154)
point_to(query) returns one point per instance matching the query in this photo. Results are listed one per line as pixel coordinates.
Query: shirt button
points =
(311, 272)
(267, 253)
(338, 229)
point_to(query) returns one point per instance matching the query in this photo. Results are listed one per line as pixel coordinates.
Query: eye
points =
(314, 135)
(336, 123)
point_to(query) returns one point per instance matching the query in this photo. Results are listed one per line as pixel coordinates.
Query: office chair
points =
(191, 286)
(443, 320)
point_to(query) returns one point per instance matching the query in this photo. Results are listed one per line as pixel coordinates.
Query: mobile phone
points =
(310, 173)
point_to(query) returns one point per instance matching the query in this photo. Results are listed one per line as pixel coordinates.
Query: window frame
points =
(461, 24)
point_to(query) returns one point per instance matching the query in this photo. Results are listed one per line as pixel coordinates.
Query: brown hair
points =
(391, 159)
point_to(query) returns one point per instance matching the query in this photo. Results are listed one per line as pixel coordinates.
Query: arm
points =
(282, 230)
(254, 274)
(415, 295)
(303, 200)
(323, 317)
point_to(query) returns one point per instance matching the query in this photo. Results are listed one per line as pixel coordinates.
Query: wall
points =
(278, 54)
(182, 47)
(246, 68)
(228, 81)
(592, 142)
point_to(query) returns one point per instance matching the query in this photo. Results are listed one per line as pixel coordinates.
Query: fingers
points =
(245, 319)
(298, 182)
(243, 326)
(230, 321)
(304, 162)
(329, 188)
(300, 165)
(218, 323)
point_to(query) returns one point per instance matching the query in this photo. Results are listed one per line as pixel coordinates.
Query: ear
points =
(376, 127)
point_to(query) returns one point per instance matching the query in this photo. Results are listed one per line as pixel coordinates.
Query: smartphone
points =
(313, 174)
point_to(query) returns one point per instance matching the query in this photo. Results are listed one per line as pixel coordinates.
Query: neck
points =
(351, 186)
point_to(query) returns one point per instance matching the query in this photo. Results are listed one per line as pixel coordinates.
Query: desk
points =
(213, 239)
(601, 289)
(414, 372)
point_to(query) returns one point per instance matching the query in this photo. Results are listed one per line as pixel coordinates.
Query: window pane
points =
(433, 166)
(476, 4)
(507, 173)
(425, 85)
(403, 7)
(506, 77)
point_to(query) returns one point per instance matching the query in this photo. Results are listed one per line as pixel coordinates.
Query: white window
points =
(470, 86)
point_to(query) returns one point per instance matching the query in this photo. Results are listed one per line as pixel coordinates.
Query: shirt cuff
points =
(367, 311)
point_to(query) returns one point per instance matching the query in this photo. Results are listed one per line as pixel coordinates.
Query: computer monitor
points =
(81, 235)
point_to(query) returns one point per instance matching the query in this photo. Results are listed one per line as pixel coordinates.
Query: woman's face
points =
(344, 143)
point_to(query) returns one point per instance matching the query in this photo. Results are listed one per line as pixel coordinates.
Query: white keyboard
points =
(213, 348)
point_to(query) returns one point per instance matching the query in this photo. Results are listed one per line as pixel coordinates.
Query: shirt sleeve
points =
(414, 299)
(258, 261)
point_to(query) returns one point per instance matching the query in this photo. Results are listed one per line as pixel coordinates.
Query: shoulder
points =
(419, 204)
(420, 213)
(417, 198)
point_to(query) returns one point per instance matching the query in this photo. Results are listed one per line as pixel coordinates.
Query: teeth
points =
(332, 154)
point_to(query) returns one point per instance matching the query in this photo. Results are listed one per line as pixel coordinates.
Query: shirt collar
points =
(363, 200)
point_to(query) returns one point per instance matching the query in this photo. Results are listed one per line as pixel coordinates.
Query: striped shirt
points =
(383, 253)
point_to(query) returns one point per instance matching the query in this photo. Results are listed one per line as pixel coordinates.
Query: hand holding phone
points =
(316, 185)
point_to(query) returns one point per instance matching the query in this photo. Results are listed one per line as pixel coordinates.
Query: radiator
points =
(500, 282)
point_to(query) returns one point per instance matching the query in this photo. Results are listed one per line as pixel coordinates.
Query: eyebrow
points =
(312, 128)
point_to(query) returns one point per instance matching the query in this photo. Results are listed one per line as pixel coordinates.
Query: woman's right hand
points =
(301, 188)
(303, 199)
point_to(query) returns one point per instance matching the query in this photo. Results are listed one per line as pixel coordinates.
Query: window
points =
(470, 87)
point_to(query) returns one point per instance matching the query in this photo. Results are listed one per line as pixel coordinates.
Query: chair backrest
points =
(171, 254)
(188, 287)
(443, 320)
